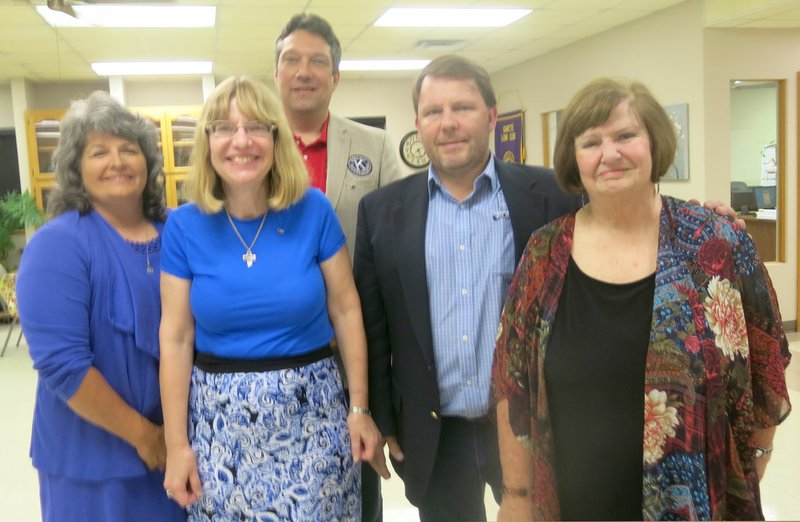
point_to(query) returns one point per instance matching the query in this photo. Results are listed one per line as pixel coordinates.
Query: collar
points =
(489, 175)
(323, 136)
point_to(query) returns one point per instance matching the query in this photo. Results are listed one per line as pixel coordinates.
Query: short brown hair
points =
(454, 66)
(592, 106)
(313, 24)
(287, 180)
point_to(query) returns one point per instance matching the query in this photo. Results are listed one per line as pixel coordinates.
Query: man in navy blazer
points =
(434, 255)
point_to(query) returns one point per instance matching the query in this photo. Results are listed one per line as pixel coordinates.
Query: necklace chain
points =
(147, 258)
(248, 257)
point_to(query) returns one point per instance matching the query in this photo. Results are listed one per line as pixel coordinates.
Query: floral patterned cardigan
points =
(714, 371)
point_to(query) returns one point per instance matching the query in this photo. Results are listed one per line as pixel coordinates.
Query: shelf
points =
(176, 127)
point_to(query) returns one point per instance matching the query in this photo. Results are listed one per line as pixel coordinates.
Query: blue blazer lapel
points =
(409, 217)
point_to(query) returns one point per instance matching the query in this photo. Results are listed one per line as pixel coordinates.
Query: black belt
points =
(213, 364)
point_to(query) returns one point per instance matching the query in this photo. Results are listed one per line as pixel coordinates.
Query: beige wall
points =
(753, 125)
(149, 93)
(390, 98)
(59, 95)
(755, 54)
(660, 50)
(6, 107)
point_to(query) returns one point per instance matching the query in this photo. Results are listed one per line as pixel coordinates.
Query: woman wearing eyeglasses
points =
(256, 281)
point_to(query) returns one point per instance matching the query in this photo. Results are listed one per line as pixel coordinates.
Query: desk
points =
(763, 232)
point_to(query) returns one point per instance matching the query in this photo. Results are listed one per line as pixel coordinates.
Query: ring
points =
(168, 492)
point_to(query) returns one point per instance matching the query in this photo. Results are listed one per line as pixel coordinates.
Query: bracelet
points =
(517, 492)
(762, 452)
(360, 410)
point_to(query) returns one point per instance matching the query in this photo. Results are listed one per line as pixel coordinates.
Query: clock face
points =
(413, 152)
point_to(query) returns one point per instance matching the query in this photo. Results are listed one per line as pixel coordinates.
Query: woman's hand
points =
(182, 480)
(151, 447)
(366, 442)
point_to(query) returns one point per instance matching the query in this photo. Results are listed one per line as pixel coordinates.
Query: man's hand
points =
(378, 462)
(723, 210)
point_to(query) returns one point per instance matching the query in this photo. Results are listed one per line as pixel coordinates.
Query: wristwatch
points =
(762, 452)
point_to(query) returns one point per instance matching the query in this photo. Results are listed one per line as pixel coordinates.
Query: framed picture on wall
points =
(679, 114)
(549, 132)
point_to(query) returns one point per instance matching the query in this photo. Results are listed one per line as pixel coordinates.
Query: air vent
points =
(438, 44)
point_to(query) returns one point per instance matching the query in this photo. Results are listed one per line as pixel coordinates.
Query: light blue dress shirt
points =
(469, 260)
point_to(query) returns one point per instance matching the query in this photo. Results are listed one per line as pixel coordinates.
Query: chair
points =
(8, 303)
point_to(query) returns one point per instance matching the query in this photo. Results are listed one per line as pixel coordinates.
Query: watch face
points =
(413, 152)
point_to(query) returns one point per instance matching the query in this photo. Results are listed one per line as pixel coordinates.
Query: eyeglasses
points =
(254, 129)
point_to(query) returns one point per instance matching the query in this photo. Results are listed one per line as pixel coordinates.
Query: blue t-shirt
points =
(276, 308)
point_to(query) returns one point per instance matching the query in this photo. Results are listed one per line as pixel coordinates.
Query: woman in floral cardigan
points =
(639, 371)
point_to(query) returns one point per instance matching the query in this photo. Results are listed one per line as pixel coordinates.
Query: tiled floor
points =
(19, 490)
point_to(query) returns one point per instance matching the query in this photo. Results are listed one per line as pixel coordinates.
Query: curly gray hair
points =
(101, 113)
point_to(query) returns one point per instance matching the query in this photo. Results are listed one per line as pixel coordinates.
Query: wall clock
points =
(412, 151)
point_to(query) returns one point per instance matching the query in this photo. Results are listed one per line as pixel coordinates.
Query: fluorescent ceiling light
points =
(152, 16)
(445, 17)
(150, 68)
(382, 65)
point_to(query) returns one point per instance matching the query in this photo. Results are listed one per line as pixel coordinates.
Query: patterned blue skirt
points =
(273, 446)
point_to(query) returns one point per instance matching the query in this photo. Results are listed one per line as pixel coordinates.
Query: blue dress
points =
(86, 299)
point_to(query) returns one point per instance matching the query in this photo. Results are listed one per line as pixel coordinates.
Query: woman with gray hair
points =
(88, 292)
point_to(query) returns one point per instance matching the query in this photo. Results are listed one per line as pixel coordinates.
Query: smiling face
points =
(113, 170)
(454, 124)
(615, 157)
(304, 74)
(241, 161)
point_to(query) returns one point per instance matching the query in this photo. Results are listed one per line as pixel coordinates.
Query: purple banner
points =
(508, 137)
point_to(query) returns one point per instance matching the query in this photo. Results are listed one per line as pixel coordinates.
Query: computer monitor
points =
(743, 199)
(765, 197)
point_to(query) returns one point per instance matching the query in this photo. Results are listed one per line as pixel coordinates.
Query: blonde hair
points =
(287, 180)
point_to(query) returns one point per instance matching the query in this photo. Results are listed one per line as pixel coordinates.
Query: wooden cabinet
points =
(173, 187)
(176, 130)
(763, 233)
(43, 129)
(177, 126)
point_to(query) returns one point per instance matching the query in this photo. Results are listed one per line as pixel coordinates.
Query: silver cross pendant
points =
(249, 258)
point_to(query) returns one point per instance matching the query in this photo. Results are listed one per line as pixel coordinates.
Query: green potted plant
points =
(17, 212)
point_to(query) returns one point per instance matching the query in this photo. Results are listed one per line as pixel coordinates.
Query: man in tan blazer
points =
(346, 160)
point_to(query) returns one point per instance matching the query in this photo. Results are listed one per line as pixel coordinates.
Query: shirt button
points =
(469, 382)
(463, 291)
(305, 156)
(465, 337)
(462, 247)
(434, 415)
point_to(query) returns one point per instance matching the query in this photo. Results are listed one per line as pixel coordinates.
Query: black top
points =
(594, 373)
